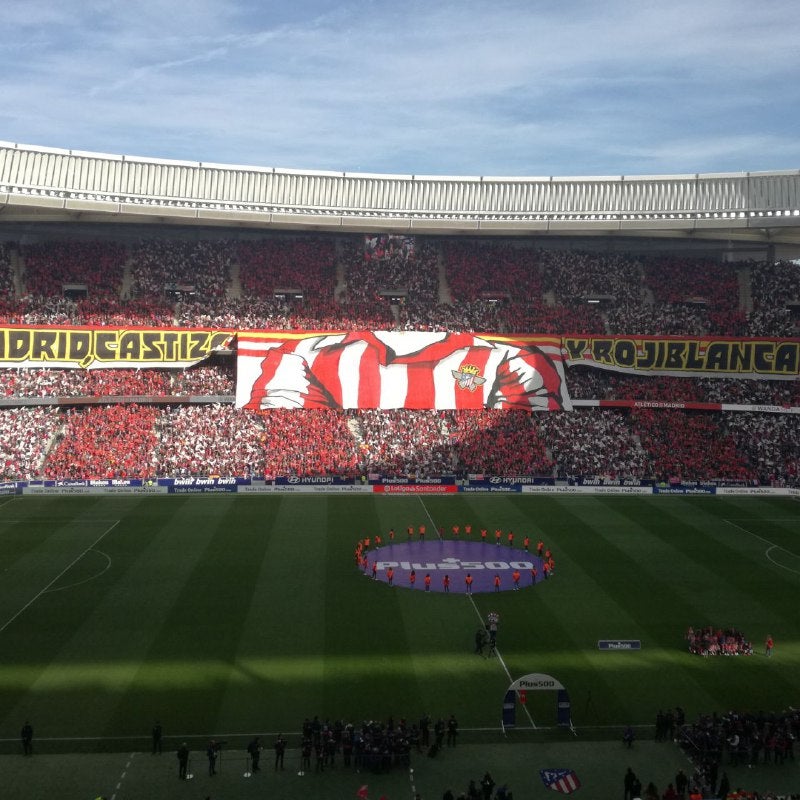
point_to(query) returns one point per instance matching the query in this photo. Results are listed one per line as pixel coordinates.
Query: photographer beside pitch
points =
(183, 761)
(212, 752)
(254, 751)
(26, 736)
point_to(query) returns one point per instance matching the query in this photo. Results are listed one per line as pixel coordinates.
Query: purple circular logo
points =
(458, 567)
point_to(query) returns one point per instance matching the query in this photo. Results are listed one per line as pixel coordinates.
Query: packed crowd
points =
(500, 270)
(416, 275)
(595, 442)
(770, 443)
(485, 442)
(586, 383)
(403, 442)
(576, 276)
(688, 446)
(148, 441)
(372, 745)
(103, 442)
(766, 444)
(26, 435)
(774, 288)
(654, 320)
(206, 440)
(715, 740)
(213, 438)
(304, 264)
(96, 266)
(500, 287)
(218, 440)
(91, 310)
(197, 268)
(703, 295)
(444, 284)
(218, 380)
(6, 277)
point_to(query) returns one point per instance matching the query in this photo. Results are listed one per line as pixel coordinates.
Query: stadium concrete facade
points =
(748, 214)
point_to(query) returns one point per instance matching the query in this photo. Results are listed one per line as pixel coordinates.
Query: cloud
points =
(511, 88)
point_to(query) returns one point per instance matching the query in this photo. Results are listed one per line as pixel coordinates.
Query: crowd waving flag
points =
(399, 369)
(560, 780)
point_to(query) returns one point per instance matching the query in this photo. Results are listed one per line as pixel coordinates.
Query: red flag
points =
(362, 792)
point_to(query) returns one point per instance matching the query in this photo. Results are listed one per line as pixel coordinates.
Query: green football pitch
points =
(227, 616)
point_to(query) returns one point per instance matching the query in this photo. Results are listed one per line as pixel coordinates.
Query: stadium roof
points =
(39, 184)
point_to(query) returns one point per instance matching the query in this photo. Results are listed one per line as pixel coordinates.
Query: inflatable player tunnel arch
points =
(536, 682)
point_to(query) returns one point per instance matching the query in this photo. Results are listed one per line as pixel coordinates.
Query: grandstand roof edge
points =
(395, 176)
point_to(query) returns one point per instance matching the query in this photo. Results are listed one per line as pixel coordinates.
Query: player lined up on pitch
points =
(460, 563)
(420, 532)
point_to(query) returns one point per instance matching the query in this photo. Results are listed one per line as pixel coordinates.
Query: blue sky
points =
(536, 88)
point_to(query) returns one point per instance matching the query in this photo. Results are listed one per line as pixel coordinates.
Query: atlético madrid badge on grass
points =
(560, 780)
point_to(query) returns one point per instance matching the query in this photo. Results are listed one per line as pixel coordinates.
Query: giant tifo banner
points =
(687, 357)
(399, 369)
(24, 347)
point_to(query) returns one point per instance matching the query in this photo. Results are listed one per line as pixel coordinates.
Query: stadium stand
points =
(506, 445)
(53, 268)
(26, 435)
(318, 282)
(194, 268)
(597, 443)
(198, 381)
(104, 442)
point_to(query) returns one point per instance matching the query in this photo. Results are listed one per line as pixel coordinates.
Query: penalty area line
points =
(772, 546)
(63, 572)
(105, 569)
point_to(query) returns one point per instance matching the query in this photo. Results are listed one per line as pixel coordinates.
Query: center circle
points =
(448, 562)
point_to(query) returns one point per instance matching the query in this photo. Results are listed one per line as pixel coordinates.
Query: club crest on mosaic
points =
(468, 377)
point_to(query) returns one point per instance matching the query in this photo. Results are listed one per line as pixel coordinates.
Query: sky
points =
(503, 88)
